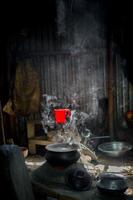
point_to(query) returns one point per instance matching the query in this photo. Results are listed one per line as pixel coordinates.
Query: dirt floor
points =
(104, 164)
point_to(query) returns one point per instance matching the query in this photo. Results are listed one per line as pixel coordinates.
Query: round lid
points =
(62, 147)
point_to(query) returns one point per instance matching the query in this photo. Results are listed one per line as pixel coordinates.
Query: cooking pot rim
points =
(111, 178)
(62, 147)
(109, 148)
(101, 186)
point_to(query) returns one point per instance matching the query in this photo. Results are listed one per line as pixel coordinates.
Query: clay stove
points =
(62, 170)
(71, 182)
(54, 182)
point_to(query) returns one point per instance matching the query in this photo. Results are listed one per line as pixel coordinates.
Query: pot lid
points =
(62, 147)
(111, 181)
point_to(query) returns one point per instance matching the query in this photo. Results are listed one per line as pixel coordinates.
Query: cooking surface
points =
(53, 181)
(106, 164)
(62, 190)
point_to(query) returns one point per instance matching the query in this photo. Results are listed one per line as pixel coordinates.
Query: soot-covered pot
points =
(62, 154)
(111, 184)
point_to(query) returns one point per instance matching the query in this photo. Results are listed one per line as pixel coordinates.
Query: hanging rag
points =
(26, 91)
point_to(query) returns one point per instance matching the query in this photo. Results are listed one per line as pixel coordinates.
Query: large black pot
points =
(61, 154)
(111, 184)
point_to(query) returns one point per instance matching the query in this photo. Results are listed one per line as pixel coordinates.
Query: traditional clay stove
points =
(70, 181)
(62, 168)
(66, 183)
(72, 178)
(65, 176)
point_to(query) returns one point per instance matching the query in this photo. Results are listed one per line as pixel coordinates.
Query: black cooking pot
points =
(62, 154)
(111, 184)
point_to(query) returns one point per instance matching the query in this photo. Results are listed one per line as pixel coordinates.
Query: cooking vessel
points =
(114, 148)
(111, 184)
(62, 154)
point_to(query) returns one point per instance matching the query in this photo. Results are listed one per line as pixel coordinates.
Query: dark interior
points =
(77, 50)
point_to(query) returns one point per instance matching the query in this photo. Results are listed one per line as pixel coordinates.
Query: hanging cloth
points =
(26, 92)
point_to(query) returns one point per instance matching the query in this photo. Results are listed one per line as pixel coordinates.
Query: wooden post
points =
(2, 124)
(110, 88)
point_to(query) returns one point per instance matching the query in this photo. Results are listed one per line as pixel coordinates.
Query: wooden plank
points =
(30, 129)
(39, 141)
(32, 142)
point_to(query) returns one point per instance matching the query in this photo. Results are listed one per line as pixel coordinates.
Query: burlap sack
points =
(26, 91)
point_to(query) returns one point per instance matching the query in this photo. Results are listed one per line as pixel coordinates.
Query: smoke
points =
(61, 29)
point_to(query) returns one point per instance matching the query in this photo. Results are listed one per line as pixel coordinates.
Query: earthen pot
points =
(61, 154)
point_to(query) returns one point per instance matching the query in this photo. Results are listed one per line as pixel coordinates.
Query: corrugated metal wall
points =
(123, 91)
(81, 76)
(65, 69)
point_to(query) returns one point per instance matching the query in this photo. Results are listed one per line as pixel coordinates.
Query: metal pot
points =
(62, 154)
(111, 184)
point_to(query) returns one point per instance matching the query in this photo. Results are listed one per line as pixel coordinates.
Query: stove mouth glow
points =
(61, 115)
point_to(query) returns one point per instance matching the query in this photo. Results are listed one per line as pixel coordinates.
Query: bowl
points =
(115, 148)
